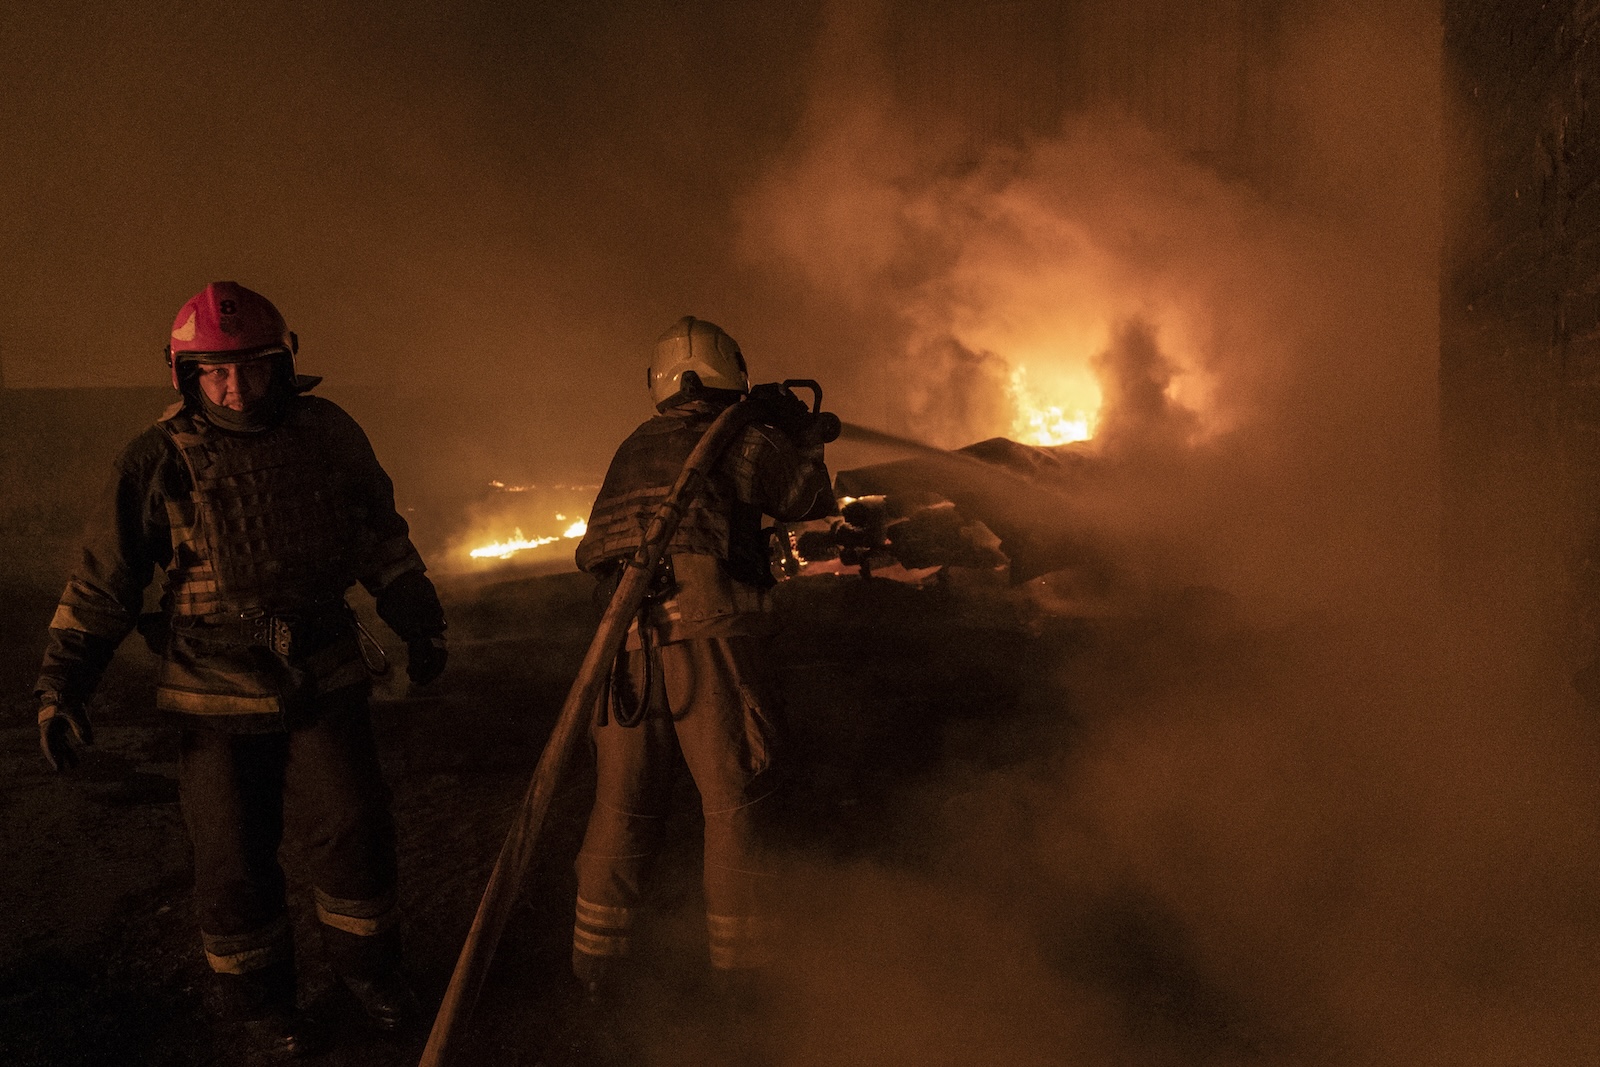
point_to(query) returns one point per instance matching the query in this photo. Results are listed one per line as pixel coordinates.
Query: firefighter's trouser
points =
(710, 703)
(322, 784)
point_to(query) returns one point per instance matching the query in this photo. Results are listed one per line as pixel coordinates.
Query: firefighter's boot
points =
(591, 1035)
(741, 1015)
(258, 1009)
(369, 968)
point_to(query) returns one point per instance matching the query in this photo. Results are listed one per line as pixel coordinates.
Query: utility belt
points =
(286, 633)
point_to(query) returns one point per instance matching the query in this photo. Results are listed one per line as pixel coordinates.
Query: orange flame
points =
(1038, 422)
(518, 542)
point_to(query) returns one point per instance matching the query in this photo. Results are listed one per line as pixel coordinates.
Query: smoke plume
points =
(1295, 814)
(1288, 309)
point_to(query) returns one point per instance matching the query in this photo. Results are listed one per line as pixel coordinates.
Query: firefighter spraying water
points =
(676, 667)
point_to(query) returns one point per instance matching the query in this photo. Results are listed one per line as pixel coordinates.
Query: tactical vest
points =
(269, 526)
(717, 523)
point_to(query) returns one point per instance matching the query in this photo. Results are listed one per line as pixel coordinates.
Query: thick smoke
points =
(1295, 814)
(1290, 312)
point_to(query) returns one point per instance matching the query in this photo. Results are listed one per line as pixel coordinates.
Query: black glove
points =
(425, 658)
(410, 605)
(55, 722)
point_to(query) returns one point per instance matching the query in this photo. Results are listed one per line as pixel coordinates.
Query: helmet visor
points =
(248, 356)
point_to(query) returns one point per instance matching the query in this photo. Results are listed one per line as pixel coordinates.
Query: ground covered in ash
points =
(926, 923)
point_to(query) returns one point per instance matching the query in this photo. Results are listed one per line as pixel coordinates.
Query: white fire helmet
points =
(701, 350)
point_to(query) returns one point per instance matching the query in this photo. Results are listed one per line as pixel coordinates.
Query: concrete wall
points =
(1520, 309)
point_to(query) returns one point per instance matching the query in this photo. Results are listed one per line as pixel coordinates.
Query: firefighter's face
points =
(236, 385)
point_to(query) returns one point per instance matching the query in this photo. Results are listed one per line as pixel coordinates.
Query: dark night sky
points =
(459, 200)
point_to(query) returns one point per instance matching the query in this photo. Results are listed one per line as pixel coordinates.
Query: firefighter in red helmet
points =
(262, 505)
(692, 681)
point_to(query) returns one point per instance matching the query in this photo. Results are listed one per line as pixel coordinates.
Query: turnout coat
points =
(258, 536)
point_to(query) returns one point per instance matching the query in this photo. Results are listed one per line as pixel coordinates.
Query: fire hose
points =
(521, 843)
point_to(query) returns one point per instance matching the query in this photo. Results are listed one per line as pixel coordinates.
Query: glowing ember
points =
(519, 542)
(1039, 423)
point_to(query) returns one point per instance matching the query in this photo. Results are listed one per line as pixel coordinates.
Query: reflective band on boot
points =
(243, 953)
(364, 918)
(740, 942)
(603, 930)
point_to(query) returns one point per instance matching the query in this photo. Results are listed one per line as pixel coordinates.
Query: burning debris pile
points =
(878, 531)
(1055, 506)
(996, 484)
(978, 508)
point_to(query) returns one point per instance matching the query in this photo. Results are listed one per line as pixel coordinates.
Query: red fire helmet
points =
(227, 323)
